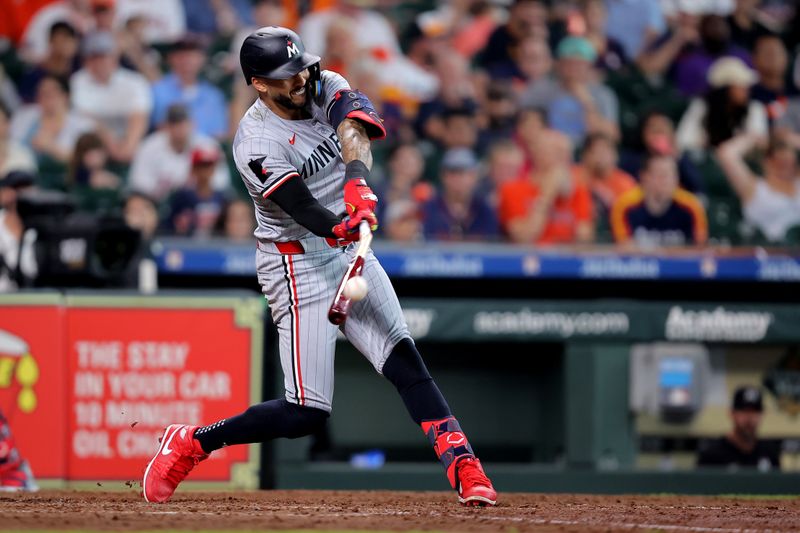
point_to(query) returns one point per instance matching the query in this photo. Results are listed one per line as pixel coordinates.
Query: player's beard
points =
(286, 101)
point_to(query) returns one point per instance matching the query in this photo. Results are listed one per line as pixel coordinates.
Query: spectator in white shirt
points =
(49, 126)
(771, 204)
(119, 99)
(163, 161)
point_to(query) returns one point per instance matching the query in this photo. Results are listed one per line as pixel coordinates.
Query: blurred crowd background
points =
(647, 123)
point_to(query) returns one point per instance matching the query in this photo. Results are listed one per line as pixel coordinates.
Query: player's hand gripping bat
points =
(337, 313)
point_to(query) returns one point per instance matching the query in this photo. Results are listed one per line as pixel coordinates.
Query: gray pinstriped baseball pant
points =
(300, 289)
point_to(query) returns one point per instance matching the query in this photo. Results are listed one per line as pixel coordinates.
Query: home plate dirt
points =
(390, 511)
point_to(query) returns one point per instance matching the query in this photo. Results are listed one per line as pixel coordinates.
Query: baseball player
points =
(303, 150)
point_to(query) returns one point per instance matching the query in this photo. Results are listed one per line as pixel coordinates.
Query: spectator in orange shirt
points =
(598, 169)
(658, 212)
(549, 205)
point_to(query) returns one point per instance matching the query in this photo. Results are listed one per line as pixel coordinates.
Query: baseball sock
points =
(406, 370)
(260, 423)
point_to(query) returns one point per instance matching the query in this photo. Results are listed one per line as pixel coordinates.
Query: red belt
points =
(296, 247)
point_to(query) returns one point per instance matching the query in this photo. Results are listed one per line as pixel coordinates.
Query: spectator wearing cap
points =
(548, 204)
(657, 212)
(741, 447)
(61, 60)
(163, 161)
(195, 208)
(117, 98)
(16, 262)
(726, 109)
(575, 104)
(457, 213)
(13, 154)
(49, 127)
(182, 84)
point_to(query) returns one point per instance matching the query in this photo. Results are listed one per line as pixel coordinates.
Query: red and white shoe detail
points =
(17, 476)
(474, 488)
(178, 453)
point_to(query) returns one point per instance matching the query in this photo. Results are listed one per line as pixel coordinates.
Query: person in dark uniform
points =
(742, 447)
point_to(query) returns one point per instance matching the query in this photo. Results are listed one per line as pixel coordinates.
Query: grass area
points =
(760, 496)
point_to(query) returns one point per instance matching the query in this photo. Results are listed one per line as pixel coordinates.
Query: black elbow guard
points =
(352, 103)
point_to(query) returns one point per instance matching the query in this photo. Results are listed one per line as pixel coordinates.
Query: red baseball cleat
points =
(178, 453)
(17, 476)
(474, 488)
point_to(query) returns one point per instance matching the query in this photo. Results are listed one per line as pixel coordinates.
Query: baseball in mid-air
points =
(356, 288)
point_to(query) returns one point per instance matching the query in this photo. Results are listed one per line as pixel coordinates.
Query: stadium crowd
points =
(642, 122)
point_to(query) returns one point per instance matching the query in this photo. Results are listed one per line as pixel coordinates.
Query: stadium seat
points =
(724, 220)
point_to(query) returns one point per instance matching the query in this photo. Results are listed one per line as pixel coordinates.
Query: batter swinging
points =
(303, 150)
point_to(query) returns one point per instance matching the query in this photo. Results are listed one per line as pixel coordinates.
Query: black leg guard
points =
(406, 370)
(260, 423)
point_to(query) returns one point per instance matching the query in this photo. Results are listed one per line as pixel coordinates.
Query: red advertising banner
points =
(133, 371)
(89, 382)
(33, 382)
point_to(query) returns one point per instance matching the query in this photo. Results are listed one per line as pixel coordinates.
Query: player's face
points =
(291, 93)
(746, 422)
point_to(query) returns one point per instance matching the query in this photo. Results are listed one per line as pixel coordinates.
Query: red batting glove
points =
(359, 197)
(347, 229)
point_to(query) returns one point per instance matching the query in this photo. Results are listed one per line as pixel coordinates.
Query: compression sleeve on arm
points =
(295, 198)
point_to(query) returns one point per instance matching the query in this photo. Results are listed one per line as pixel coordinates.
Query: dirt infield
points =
(396, 511)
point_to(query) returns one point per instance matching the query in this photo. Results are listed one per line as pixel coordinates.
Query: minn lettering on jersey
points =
(324, 153)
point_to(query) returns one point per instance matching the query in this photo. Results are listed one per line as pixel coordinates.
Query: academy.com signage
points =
(718, 324)
(559, 324)
(601, 320)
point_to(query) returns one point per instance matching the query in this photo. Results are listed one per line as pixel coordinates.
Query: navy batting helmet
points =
(276, 53)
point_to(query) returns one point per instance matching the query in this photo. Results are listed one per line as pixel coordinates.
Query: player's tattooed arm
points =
(355, 142)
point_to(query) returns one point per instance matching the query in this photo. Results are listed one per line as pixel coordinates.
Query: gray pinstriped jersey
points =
(268, 150)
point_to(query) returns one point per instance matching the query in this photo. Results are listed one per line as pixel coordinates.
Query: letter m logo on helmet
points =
(291, 48)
